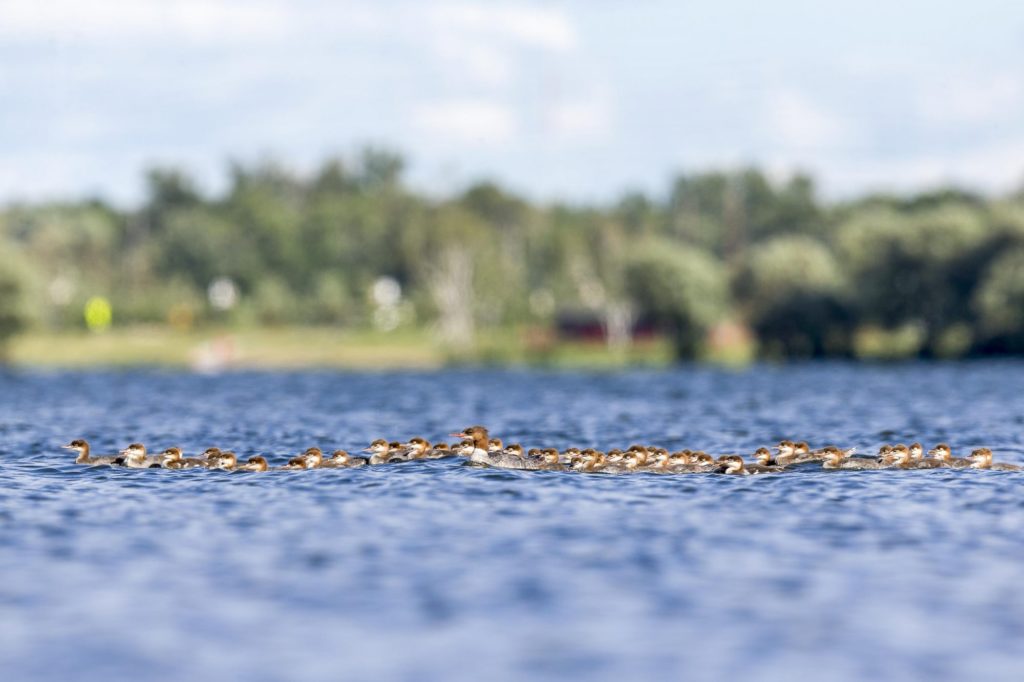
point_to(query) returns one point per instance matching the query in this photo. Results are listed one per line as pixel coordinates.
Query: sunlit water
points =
(437, 571)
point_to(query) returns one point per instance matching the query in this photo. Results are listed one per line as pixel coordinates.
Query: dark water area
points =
(439, 571)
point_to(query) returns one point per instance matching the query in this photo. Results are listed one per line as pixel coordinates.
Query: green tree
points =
(791, 292)
(683, 289)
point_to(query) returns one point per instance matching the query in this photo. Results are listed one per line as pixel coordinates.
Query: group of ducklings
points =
(479, 448)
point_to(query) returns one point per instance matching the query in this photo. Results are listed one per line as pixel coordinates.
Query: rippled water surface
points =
(433, 570)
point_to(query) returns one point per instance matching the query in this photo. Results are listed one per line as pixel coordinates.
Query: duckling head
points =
(81, 447)
(258, 463)
(514, 449)
(379, 446)
(313, 457)
(731, 464)
(834, 456)
(136, 452)
(981, 458)
(785, 447)
(916, 451)
(941, 452)
(171, 454)
(763, 456)
(340, 457)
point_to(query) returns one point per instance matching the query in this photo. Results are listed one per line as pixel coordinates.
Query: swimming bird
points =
(171, 459)
(224, 460)
(438, 451)
(764, 457)
(416, 448)
(309, 459)
(981, 458)
(82, 448)
(256, 463)
(135, 457)
(837, 459)
(732, 464)
(340, 459)
(476, 436)
(380, 452)
(944, 454)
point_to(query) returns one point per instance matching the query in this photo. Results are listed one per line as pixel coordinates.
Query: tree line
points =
(933, 274)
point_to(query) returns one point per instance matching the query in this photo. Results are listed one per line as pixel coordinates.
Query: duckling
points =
(643, 456)
(981, 458)
(569, 453)
(256, 463)
(614, 457)
(732, 464)
(944, 454)
(837, 459)
(764, 457)
(311, 458)
(786, 454)
(703, 462)
(758, 468)
(340, 459)
(135, 457)
(82, 448)
(380, 452)
(226, 461)
(171, 459)
(439, 451)
(546, 459)
(416, 448)
(495, 445)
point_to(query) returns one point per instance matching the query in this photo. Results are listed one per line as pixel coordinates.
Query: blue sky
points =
(579, 100)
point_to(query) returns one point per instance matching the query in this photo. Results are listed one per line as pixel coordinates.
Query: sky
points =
(578, 100)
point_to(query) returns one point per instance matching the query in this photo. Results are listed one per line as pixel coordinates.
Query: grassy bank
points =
(308, 347)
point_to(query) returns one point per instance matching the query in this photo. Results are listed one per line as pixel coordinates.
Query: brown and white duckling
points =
(379, 451)
(903, 459)
(82, 448)
(785, 453)
(134, 456)
(171, 459)
(943, 453)
(439, 451)
(981, 458)
(732, 464)
(764, 457)
(225, 460)
(495, 445)
(415, 448)
(546, 459)
(257, 463)
(340, 459)
(836, 458)
(311, 458)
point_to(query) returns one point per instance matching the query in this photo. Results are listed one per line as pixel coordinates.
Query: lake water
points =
(437, 571)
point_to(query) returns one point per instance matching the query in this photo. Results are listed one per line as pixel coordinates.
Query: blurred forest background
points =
(721, 264)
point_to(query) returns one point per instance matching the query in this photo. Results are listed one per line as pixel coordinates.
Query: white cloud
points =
(199, 20)
(798, 123)
(579, 119)
(957, 101)
(466, 121)
(524, 24)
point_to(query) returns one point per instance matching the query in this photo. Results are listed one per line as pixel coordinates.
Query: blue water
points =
(436, 571)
